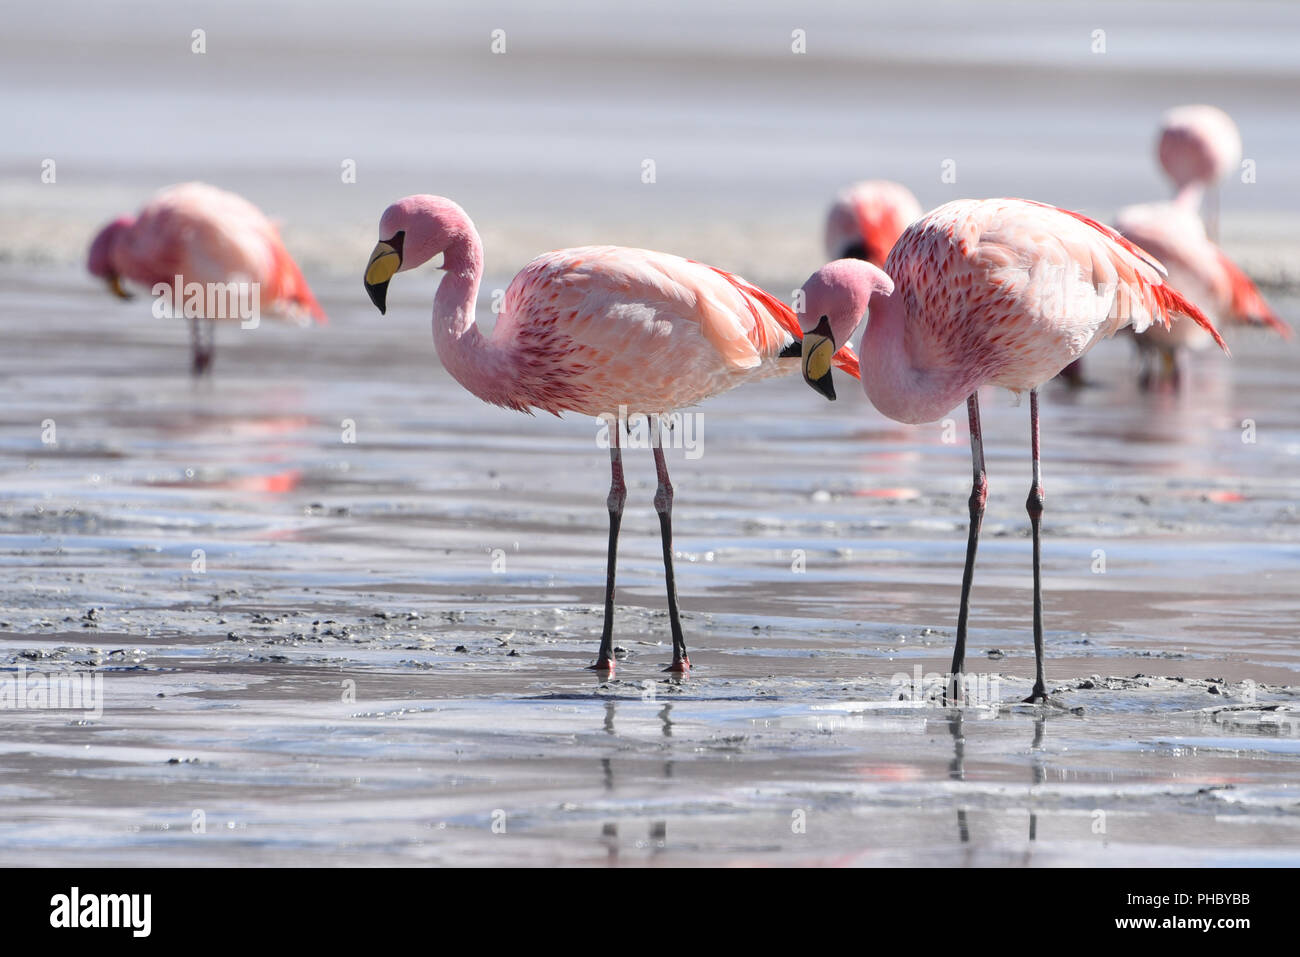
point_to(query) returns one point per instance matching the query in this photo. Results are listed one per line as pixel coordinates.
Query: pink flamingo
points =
(207, 236)
(867, 218)
(1199, 145)
(1174, 234)
(600, 330)
(1000, 292)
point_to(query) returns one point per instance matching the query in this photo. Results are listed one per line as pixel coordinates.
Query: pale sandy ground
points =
(372, 563)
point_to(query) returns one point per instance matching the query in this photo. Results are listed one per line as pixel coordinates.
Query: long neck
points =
(1189, 196)
(902, 386)
(481, 365)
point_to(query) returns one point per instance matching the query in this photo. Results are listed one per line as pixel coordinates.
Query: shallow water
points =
(369, 571)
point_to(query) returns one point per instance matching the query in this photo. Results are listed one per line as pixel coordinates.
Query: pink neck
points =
(1188, 196)
(482, 365)
(894, 383)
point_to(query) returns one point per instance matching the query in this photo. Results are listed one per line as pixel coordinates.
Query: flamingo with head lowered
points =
(867, 218)
(209, 237)
(596, 330)
(1001, 292)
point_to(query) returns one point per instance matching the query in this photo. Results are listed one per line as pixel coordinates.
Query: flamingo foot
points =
(680, 665)
(1040, 696)
(603, 664)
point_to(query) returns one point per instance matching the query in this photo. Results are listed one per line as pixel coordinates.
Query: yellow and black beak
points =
(115, 284)
(384, 262)
(818, 349)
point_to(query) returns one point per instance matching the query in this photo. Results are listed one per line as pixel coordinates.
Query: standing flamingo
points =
(1198, 146)
(867, 218)
(1174, 234)
(203, 235)
(1000, 292)
(599, 330)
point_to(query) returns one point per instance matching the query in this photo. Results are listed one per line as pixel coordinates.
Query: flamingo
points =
(1174, 234)
(867, 218)
(604, 331)
(1000, 292)
(202, 235)
(1198, 146)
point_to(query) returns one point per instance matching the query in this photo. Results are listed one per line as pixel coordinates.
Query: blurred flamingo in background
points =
(867, 218)
(207, 236)
(1199, 270)
(1000, 292)
(1198, 146)
(604, 331)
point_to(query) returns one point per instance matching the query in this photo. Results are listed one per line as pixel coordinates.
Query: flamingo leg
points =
(212, 344)
(978, 496)
(664, 506)
(617, 496)
(1034, 505)
(196, 346)
(1169, 369)
(202, 352)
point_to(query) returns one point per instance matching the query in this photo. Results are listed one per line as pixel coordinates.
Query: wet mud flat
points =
(320, 651)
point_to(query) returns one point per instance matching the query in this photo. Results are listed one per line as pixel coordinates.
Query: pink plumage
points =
(600, 330)
(205, 235)
(867, 218)
(598, 327)
(1198, 269)
(1198, 146)
(1004, 292)
(595, 328)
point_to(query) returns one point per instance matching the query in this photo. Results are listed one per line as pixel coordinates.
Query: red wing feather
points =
(845, 358)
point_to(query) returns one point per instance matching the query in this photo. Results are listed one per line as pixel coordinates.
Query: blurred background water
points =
(544, 143)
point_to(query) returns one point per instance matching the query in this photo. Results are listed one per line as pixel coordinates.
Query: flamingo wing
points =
(208, 235)
(1197, 267)
(626, 300)
(1245, 302)
(1013, 290)
(868, 217)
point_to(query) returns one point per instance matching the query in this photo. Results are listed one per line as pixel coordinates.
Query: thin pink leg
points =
(1034, 505)
(617, 496)
(978, 496)
(664, 506)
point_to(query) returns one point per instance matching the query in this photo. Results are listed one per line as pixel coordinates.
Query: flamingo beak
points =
(115, 284)
(385, 260)
(818, 350)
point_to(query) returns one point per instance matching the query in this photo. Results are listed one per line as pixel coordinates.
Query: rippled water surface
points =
(371, 651)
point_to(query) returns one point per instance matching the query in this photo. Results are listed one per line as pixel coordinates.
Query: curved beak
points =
(115, 284)
(385, 260)
(818, 350)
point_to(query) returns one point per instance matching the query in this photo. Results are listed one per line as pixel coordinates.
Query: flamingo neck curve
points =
(896, 385)
(483, 365)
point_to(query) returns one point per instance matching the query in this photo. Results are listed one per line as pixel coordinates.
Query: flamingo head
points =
(867, 219)
(100, 261)
(1198, 146)
(411, 232)
(835, 300)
